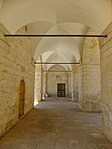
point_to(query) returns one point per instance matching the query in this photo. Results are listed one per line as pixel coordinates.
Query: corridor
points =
(57, 124)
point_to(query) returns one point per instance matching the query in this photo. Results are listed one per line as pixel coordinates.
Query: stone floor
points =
(57, 124)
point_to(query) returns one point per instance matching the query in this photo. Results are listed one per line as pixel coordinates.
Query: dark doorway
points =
(21, 99)
(61, 89)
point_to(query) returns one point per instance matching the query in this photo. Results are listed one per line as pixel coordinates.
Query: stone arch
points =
(21, 99)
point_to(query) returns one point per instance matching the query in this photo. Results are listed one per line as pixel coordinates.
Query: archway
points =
(21, 99)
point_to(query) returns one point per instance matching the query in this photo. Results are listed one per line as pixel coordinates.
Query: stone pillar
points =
(72, 84)
(75, 83)
(38, 83)
(80, 93)
(106, 81)
(90, 79)
(69, 86)
(44, 82)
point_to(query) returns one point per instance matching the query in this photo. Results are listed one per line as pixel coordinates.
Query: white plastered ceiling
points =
(93, 13)
(56, 17)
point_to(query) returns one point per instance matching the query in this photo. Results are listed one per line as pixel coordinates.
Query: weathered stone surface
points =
(106, 81)
(15, 65)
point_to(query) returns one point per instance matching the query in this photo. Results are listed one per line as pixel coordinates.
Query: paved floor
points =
(57, 124)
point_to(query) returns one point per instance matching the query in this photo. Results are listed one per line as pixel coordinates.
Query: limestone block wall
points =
(15, 65)
(57, 74)
(106, 80)
(90, 78)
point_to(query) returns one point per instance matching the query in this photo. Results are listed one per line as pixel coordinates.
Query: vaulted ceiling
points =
(56, 17)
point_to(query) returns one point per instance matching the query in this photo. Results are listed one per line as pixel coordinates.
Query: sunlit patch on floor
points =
(36, 103)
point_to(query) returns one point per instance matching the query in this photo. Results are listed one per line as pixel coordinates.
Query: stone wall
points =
(57, 74)
(106, 77)
(15, 65)
(90, 80)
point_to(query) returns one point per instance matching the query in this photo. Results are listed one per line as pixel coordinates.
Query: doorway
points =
(21, 99)
(61, 90)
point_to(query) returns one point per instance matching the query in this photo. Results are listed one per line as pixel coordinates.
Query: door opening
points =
(21, 99)
(61, 90)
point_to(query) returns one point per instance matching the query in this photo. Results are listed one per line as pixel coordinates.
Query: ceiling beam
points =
(36, 35)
